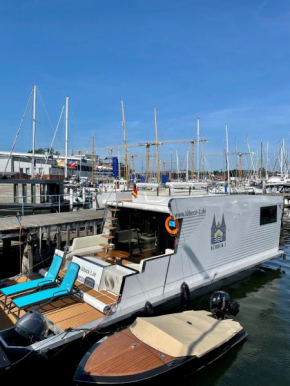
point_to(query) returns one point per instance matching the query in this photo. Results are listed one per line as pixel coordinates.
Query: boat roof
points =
(150, 202)
(189, 333)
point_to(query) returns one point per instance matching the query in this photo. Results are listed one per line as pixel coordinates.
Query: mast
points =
(33, 132)
(197, 149)
(177, 165)
(261, 167)
(267, 160)
(238, 166)
(228, 165)
(125, 143)
(282, 158)
(93, 158)
(186, 166)
(157, 153)
(119, 165)
(171, 169)
(251, 154)
(66, 134)
(203, 159)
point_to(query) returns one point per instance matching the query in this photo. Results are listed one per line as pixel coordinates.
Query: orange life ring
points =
(172, 225)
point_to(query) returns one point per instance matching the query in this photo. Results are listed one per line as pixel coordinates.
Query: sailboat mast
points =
(125, 143)
(267, 160)
(261, 168)
(66, 134)
(119, 165)
(282, 158)
(93, 158)
(228, 165)
(33, 132)
(186, 166)
(157, 152)
(197, 149)
(177, 165)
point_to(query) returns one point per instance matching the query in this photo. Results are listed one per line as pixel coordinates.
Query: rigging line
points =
(73, 122)
(18, 132)
(53, 138)
(46, 112)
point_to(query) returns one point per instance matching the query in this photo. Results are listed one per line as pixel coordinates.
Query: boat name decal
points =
(191, 213)
(88, 271)
(218, 234)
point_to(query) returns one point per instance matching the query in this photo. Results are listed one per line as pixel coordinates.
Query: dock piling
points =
(68, 235)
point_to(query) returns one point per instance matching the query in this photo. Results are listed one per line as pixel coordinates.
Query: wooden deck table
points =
(119, 255)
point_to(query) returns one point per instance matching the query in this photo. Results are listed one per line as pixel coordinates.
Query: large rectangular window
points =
(268, 214)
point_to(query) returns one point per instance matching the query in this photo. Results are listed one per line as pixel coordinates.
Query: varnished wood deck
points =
(21, 279)
(9, 320)
(65, 313)
(103, 295)
(70, 313)
(116, 357)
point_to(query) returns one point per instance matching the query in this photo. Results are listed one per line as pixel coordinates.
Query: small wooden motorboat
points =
(156, 346)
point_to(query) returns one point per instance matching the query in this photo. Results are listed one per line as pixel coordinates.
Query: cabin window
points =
(268, 214)
(142, 233)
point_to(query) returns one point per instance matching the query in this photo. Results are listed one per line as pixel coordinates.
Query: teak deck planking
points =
(116, 356)
(65, 313)
(70, 314)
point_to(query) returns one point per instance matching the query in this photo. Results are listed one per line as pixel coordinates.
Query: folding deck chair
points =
(37, 284)
(64, 290)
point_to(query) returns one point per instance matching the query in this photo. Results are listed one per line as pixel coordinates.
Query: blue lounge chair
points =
(51, 294)
(37, 284)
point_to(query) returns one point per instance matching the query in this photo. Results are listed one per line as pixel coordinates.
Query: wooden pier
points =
(40, 234)
(9, 226)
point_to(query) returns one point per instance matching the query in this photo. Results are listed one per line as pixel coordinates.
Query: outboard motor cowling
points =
(32, 326)
(222, 305)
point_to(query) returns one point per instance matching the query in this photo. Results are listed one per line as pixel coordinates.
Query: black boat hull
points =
(180, 367)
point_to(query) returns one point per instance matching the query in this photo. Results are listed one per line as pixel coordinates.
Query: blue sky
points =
(226, 62)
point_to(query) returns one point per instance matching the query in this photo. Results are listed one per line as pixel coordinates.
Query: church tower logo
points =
(218, 233)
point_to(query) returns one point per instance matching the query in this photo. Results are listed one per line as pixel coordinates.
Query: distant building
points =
(52, 166)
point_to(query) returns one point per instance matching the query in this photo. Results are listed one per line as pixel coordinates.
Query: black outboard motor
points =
(32, 326)
(222, 305)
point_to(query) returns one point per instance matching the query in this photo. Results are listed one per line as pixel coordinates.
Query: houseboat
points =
(151, 248)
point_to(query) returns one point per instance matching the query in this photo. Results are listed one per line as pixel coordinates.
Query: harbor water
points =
(263, 359)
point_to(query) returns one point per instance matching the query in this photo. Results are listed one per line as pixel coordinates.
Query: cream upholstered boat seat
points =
(84, 245)
(190, 333)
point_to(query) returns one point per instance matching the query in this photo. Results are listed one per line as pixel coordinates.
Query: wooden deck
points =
(70, 313)
(9, 224)
(65, 313)
(22, 279)
(106, 360)
(9, 320)
(104, 296)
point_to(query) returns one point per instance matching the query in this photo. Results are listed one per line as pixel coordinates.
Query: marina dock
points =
(43, 232)
(9, 226)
